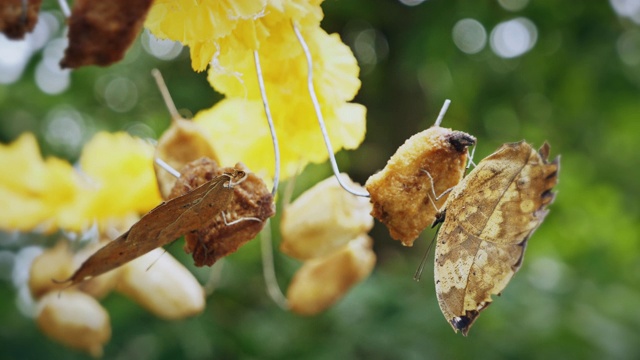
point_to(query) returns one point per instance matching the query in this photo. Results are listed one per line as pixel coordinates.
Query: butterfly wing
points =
(489, 217)
(160, 226)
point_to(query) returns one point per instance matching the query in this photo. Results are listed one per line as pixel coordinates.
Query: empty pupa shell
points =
(402, 193)
(182, 143)
(162, 285)
(323, 219)
(321, 282)
(75, 319)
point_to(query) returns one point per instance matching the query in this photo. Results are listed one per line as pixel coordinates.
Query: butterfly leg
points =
(229, 223)
(433, 191)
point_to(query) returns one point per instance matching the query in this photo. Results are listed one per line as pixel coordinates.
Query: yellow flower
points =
(192, 21)
(33, 191)
(225, 36)
(116, 182)
(239, 132)
(284, 69)
(241, 25)
(285, 72)
(120, 181)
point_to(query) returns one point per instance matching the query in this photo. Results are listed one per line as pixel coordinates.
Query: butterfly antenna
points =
(443, 111)
(423, 262)
(272, 128)
(158, 258)
(318, 111)
(168, 101)
(269, 270)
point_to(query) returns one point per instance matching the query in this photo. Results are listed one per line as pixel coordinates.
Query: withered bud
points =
(321, 282)
(323, 219)
(251, 199)
(182, 143)
(75, 319)
(402, 194)
(162, 285)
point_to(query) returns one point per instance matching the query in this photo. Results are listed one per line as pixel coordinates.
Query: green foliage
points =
(577, 293)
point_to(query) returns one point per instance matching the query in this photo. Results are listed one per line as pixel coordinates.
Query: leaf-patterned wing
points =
(160, 226)
(489, 217)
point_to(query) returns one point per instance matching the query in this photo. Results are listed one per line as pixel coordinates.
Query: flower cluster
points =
(224, 35)
(50, 194)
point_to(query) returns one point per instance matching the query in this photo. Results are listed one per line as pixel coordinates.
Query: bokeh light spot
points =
(50, 77)
(369, 45)
(469, 36)
(627, 8)
(513, 5)
(412, 2)
(64, 130)
(160, 48)
(121, 94)
(629, 47)
(513, 38)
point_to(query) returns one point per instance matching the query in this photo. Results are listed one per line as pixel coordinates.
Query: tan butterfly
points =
(488, 218)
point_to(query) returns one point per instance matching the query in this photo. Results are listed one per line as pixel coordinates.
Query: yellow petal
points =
(238, 131)
(120, 170)
(33, 191)
(187, 21)
(233, 26)
(284, 68)
(299, 135)
(323, 219)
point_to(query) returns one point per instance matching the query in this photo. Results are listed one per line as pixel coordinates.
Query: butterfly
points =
(162, 225)
(486, 222)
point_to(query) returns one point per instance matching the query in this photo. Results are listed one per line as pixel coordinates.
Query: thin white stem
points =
(64, 7)
(268, 268)
(215, 275)
(443, 111)
(163, 164)
(316, 107)
(171, 106)
(272, 128)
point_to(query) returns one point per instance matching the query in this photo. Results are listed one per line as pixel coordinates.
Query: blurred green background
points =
(564, 72)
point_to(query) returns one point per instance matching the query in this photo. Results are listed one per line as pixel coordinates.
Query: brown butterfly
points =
(162, 225)
(488, 218)
(243, 219)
